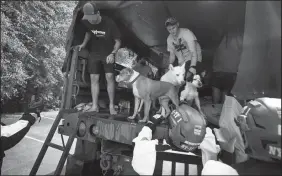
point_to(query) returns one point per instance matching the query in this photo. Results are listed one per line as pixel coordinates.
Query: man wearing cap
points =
(183, 44)
(104, 38)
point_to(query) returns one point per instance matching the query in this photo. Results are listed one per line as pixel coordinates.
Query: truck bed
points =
(102, 125)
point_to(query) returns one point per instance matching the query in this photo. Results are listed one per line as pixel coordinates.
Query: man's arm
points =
(115, 33)
(12, 134)
(191, 40)
(117, 45)
(116, 36)
(86, 39)
(170, 49)
(171, 57)
(192, 47)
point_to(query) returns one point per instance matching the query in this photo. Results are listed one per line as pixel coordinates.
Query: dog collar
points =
(131, 82)
(134, 78)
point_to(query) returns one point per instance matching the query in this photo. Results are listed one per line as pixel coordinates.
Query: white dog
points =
(175, 76)
(190, 92)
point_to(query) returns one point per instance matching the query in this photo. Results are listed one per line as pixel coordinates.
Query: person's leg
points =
(1, 161)
(95, 88)
(94, 70)
(216, 95)
(228, 80)
(223, 94)
(216, 84)
(109, 71)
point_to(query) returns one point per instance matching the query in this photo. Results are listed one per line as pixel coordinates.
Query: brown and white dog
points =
(190, 92)
(147, 90)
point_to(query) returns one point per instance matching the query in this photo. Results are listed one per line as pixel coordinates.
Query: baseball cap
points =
(170, 21)
(90, 11)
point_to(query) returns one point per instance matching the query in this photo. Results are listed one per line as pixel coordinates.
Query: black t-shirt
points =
(102, 43)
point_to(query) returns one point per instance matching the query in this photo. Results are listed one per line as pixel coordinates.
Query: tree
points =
(33, 35)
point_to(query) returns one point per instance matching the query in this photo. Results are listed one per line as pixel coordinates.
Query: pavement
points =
(20, 159)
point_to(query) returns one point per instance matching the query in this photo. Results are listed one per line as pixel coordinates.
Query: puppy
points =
(190, 92)
(147, 89)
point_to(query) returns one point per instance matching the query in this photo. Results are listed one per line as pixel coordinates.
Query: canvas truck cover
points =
(209, 20)
(259, 73)
(146, 20)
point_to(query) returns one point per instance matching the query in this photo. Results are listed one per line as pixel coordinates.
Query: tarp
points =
(259, 71)
(145, 19)
(209, 20)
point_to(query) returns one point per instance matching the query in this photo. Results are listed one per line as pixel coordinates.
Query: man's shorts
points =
(223, 80)
(96, 65)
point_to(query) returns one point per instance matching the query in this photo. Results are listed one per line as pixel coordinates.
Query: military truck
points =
(104, 141)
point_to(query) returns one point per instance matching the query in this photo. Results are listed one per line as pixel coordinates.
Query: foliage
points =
(33, 35)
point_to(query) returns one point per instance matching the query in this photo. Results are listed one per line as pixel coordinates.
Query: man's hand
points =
(192, 70)
(80, 47)
(110, 58)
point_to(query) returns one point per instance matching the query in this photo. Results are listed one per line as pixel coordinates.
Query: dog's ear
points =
(170, 67)
(183, 65)
(203, 74)
(130, 71)
(198, 77)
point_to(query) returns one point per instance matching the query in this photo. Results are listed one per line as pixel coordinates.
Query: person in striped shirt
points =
(13, 133)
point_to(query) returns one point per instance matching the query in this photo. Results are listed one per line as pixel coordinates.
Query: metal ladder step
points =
(56, 146)
(48, 143)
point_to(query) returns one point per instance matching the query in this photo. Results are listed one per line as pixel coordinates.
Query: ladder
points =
(66, 103)
(65, 148)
